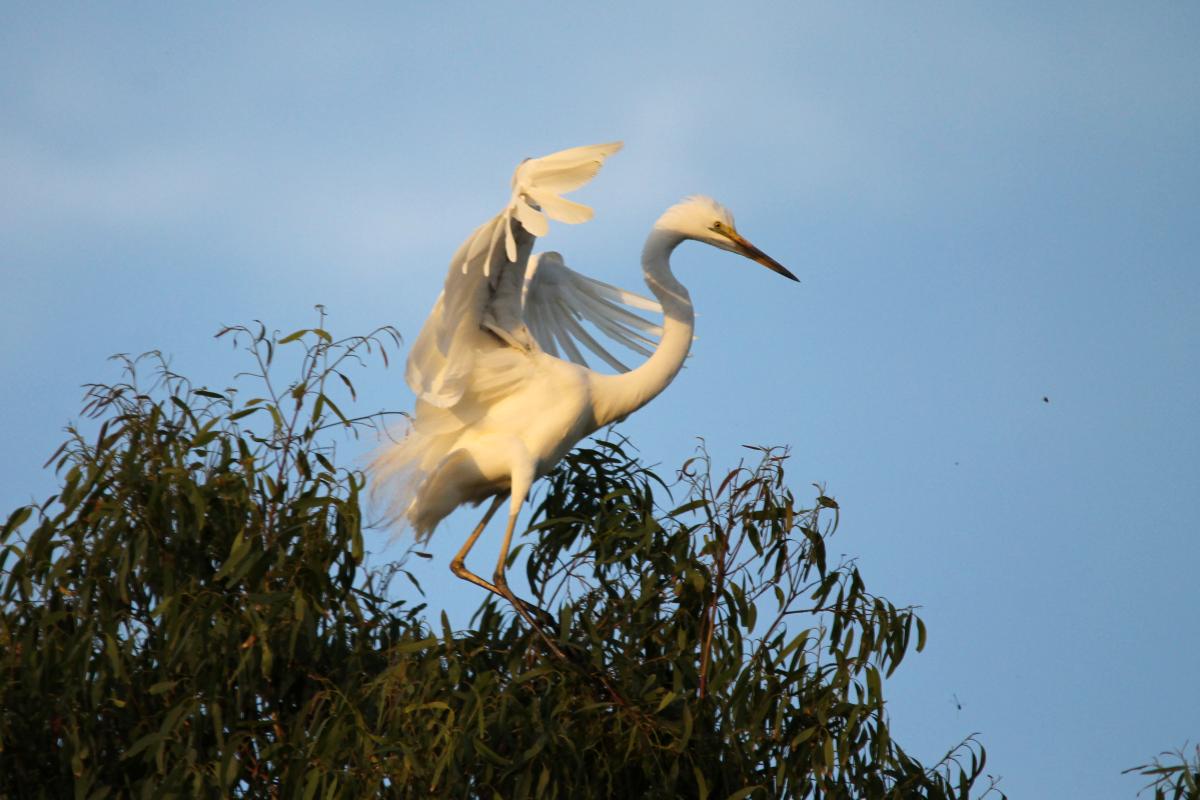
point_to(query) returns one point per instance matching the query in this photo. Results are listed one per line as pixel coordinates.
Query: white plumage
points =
(503, 388)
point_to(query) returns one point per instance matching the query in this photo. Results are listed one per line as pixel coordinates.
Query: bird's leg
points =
(577, 658)
(522, 479)
(457, 565)
(524, 609)
(459, 568)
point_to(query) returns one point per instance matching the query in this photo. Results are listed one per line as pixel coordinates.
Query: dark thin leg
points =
(523, 608)
(458, 566)
(577, 659)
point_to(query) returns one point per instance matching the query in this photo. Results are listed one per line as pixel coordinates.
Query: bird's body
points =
(496, 405)
(504, 431)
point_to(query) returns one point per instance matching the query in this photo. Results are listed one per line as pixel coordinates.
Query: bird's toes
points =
(544, 618)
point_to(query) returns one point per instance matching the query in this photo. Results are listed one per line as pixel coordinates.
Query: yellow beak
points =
(754, 254)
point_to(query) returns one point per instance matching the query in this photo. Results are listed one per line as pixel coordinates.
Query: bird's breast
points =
(549, 413)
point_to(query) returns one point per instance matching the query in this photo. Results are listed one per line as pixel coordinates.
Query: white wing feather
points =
(556, 299)
(497, 305)
(485, 281)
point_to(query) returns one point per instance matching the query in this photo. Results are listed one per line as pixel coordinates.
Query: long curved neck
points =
(618, 396)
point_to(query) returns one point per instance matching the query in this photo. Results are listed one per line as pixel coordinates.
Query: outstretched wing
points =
(557, 299)
(485, 282)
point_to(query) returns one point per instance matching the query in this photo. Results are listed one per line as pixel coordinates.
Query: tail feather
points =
(398, 473)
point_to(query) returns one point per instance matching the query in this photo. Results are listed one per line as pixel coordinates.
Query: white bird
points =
(503, 390)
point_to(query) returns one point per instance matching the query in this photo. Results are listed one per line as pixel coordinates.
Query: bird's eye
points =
(717, 225)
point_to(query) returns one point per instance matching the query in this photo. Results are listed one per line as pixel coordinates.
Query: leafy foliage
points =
(190, 615)
(1175, 775)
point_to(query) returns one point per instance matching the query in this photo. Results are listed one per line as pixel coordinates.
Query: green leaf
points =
(874, 686)
(337, 412)
(15, 519)
(202, 439)
(293, 336)
(230, 767)
(348, 384)
(410, 647)
(237, 552)
(689, 506)
(267, 658)
(490, 754)
(311, 784)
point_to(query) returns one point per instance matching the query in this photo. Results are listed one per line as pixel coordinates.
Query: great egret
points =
(497, 406)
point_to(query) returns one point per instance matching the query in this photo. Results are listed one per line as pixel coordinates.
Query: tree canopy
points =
(192, 614)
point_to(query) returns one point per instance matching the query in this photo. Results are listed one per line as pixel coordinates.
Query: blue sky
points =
(987, 205)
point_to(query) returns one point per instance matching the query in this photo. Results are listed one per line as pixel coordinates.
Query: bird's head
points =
(705, 220)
